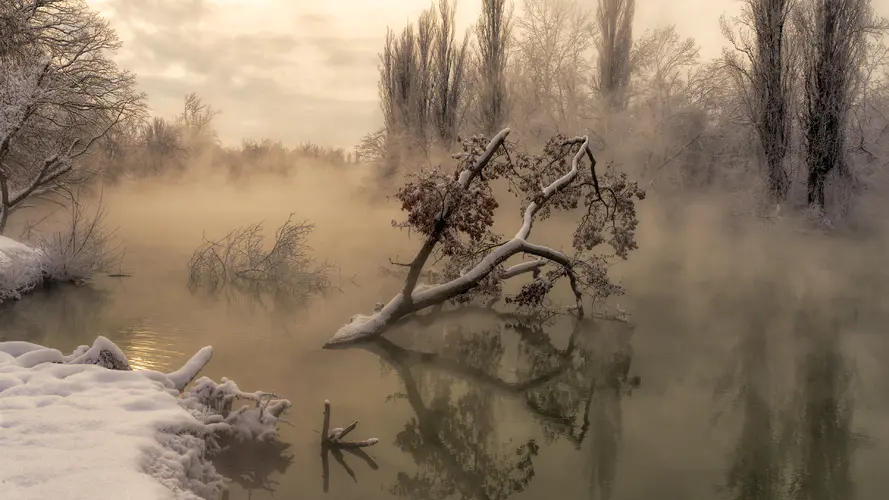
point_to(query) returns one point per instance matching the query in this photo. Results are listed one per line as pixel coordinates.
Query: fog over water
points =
(758, 351)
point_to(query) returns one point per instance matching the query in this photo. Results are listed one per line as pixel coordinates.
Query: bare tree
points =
(398, 89)
(833, 36)
(196, 122)
(164, 145)
(450, 74)
(763, 68)
(422, 78)
(59, 93)
(552, 39)
(455, 215)
(493, 32)
(670, 94)
(615, 19)
(869, 138)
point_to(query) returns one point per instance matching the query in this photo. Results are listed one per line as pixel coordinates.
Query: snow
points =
(20, 269)
(521, 268)
(362, 326)
(183, 376)
(550, 190)
(72, 428)
(467, 174)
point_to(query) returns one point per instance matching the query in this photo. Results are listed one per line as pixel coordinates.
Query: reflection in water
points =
(255, 297)
(802, 451)
(251, 464)
(453, 437)
(149, 347)
(824, 413)
(754, 471)
(54, 314)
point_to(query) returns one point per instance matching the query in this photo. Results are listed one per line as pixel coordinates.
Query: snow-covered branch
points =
(457, 226)
(451, 204)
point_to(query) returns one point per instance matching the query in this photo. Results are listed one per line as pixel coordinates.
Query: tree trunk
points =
(817, 175)
(4, 200)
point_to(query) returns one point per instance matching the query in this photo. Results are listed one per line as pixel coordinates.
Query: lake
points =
(750, 365)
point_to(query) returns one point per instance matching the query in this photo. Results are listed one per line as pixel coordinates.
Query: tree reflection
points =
(824, 440)
(754, 472)
(802, 451)
(570, 391)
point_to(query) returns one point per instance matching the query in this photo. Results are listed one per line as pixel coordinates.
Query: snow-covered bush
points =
(74, 253)
(20, 269)
(65, 417)
(79, 249)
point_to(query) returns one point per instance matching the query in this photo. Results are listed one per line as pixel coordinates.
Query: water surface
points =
(743, 372)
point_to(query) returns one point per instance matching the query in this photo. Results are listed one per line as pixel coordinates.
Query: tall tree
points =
(422, 79)
(450, 75)
(615, 19)
(834, 39)
(399, 84)
(493, 32)
(766, 78)
(553, 38)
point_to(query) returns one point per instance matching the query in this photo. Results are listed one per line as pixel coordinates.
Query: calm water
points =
(726, 382)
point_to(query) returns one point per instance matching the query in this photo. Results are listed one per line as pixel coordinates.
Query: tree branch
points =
(414, 298)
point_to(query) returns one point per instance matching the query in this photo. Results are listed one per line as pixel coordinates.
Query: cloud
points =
(302, 79)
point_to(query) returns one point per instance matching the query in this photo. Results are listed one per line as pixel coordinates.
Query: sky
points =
(306, 70)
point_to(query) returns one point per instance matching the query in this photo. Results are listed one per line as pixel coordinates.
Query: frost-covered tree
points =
(455, 215)
(163, 144)
(551, 45)
(615, 42)
(196, 122)
(762, 64)
(670, 103)
(421, 87)
(834, 39)
(869, 134)
(449, 78)
(59, 93)
(399, 86)
(493, 32)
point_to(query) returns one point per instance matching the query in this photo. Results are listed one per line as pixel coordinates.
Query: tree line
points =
(797, 105)
(800, 97)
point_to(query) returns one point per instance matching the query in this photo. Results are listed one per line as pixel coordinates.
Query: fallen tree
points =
(455, 214)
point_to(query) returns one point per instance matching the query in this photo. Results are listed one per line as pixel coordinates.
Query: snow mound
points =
(86, 426)
(20, 269)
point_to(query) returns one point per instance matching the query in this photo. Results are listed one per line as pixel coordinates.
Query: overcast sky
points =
(300, 70)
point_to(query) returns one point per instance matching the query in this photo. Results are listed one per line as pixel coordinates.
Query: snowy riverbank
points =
(21, 269)
(87, 426)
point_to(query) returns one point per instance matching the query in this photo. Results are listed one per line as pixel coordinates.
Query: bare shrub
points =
(240, 259)
(82, 248)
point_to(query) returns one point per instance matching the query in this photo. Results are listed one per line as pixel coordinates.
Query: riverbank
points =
(21, 269)
(88, 426)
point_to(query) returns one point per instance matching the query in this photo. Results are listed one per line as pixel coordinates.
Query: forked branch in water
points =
(332, 443)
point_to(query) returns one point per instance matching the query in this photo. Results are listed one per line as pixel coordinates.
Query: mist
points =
(738, 354)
